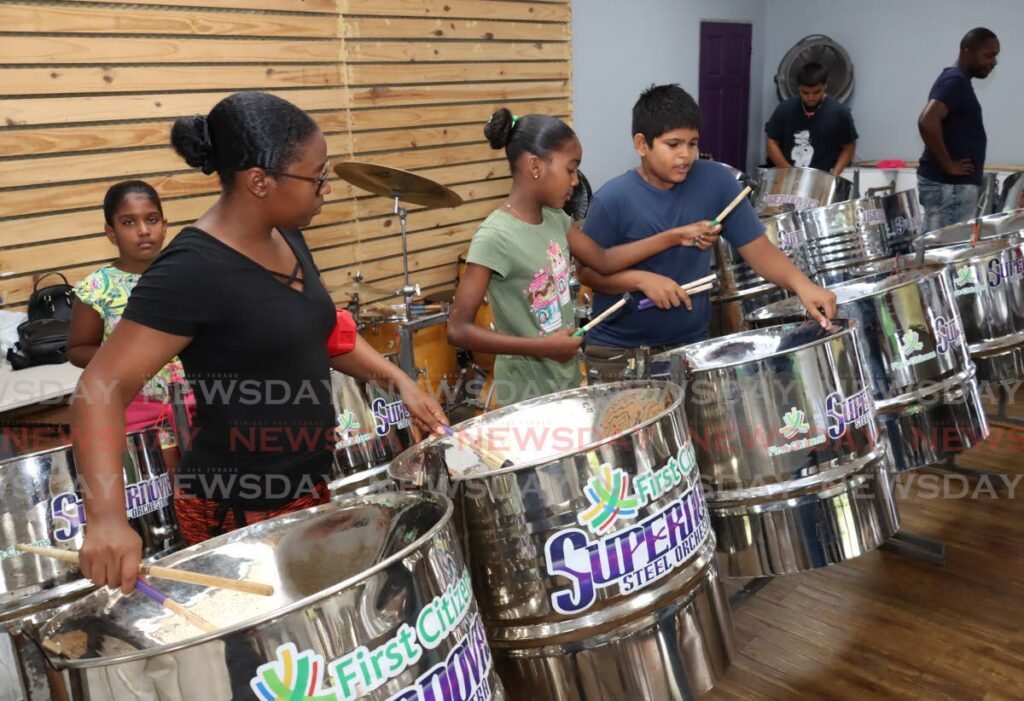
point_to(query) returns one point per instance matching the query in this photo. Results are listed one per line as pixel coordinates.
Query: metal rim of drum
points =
(519, 406)
(443, 521)
(777, 310)
(849, 329)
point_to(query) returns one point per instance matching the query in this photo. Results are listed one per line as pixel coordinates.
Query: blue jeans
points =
(946, 204)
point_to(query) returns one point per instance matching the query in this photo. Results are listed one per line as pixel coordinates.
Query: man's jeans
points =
(946, 204)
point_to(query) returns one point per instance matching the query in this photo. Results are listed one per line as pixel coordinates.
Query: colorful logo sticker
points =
(965, 282)
(910, 343)
(629, 559)
(609, 495)
(293, 676)
(348, 431)
(794, 424)
(671, 535)
(947, 332)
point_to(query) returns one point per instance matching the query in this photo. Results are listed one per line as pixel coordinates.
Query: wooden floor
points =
(884, 626)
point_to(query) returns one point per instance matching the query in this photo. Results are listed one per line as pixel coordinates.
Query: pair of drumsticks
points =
(702, 285)
(158, 597)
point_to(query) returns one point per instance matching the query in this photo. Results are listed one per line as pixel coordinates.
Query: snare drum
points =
(435, 358)
(484, 319)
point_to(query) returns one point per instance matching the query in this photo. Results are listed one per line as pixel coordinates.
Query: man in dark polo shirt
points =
(812, 129)
(950, 174)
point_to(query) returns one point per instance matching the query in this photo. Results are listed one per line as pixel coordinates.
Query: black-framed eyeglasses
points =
(308, 178)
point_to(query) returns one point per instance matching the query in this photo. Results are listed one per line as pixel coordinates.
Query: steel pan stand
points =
(408, 291)
(406, 330)
(749, 590)
(918, 547)
(999, 479)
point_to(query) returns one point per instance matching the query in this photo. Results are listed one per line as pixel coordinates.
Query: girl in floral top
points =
(135, 223)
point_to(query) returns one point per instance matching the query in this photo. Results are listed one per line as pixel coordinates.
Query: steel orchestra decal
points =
(67, 510)
(632, 558)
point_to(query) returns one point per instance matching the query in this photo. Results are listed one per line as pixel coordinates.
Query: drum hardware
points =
(917, 547)
(401, 186)
(406, 350)
(855, 190)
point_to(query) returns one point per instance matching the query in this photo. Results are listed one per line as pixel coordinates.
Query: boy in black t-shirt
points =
(813, 130)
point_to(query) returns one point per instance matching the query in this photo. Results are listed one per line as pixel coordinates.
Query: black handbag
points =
(43, 339)
(40, 342)
(51, 302)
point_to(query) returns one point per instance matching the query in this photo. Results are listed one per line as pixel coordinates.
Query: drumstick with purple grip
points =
(690, 288)
(158, 597)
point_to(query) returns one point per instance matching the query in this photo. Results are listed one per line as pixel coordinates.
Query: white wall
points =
(898, 48)
(622, 46)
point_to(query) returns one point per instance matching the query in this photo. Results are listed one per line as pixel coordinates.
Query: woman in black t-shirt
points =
(238, 298)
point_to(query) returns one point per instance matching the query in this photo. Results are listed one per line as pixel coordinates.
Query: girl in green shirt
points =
(519, 258)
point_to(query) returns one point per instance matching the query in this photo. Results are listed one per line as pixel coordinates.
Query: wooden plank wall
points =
(88, 92)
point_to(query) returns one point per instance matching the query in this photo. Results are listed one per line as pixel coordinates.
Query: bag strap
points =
(35, 287)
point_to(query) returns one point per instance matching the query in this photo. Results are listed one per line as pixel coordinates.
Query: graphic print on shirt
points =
(559, 271)
(803, 151)
(544, 304)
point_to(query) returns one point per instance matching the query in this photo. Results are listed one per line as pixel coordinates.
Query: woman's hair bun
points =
(190, 137)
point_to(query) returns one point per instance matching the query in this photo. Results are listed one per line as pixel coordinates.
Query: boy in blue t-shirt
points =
(672, 188)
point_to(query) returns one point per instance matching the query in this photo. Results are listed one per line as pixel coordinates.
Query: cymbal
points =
(392, 182)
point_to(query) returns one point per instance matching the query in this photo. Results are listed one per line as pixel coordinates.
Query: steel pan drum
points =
(799, 188)
(859, 270)
(42, 506)
(846, 234)
(916, 359)
(592, 557)
(993, 226)
(371, 589)
(784, 427)
(373, 427)
(904, 219)
(735, 275)
(988, 282)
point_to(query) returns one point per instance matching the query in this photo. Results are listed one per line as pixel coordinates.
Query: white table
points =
(20, 388)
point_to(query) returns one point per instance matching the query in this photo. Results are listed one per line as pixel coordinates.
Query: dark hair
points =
(538, 134)
(116, 194)
(975, 38)
(811, 74)
(662, 108)
(244, 130)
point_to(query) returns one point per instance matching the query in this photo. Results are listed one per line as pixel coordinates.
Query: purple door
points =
(725, 49)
